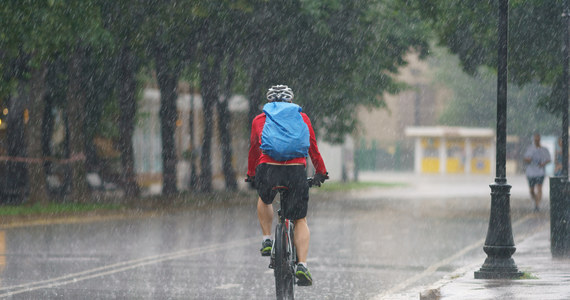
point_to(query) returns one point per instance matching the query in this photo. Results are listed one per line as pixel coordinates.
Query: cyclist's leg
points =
(265, 216)
(263, 178)
(301, 239)
(264, 205)
(297, 206)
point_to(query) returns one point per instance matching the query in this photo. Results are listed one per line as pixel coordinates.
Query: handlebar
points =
(310, 180)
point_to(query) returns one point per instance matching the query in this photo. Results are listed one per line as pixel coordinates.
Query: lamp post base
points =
(499, 244)
(498, 268)
(497, 275)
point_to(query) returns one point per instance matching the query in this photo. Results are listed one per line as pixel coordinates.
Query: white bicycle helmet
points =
(280, 93)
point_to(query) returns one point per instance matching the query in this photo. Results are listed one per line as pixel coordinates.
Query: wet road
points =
(376, 244)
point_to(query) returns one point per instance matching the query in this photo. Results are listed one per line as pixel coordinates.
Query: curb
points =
(433, 292)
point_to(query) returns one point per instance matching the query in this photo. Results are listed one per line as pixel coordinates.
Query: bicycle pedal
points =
(303, 283)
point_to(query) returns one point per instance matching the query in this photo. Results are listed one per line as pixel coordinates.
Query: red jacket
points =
(256, 157)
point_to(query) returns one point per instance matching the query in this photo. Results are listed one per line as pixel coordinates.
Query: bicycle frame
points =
(283, 252)
(283, 255)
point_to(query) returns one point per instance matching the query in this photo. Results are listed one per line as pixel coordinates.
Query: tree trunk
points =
(16, 179)
(67, 185)
(14, 186)
(75, 112)
(255, 94)
(168, 84)
(37, 175)
(127, 107)
(209, 83)
(224, 125)
(47, 131)
(193, 153)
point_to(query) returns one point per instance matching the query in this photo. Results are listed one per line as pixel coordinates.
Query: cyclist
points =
(266, 173)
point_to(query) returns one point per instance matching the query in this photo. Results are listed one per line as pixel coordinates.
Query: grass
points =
(177, 201)
(53, 208)
(527, 275)
(159, 202)
(347, 186)
(455, 276)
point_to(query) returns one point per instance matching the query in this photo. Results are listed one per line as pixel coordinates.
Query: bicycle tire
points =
(278, 266)
(291, 262)
(284, 276)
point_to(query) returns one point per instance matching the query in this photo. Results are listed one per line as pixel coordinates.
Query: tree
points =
(84, 30)
(536, 31)
(224, 125)
(167, 74)
(210, 68)
(337, 55)
(475, 96)
(56, 85)
(23, 76)
(27, 38)
(230, 35)
(171, 46)
(219, 37)
(123, 21)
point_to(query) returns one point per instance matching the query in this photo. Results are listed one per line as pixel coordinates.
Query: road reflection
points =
(2, 251)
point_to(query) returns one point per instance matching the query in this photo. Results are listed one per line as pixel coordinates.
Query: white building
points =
(453, 150)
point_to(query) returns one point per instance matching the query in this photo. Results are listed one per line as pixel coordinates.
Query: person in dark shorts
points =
(536, 157)
(266, 173)
(295, 198)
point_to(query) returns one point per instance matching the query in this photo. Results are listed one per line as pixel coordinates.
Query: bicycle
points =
(283, 253)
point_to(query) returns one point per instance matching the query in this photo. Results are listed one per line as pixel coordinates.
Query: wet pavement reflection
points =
(363, 245)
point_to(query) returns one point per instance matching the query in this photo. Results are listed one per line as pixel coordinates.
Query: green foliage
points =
(336, 55)
(469, 29)
(474, 100)
(109, 118)
(42, 28)
(54, 208)
(528, 275)
(348, 186)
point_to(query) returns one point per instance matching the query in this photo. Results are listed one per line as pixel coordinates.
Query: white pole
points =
(468, 155)
(442, 156)
(418, 155)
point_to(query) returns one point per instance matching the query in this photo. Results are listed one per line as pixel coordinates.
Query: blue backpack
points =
(285, 135)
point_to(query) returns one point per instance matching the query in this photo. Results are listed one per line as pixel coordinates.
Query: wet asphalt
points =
(381, 243)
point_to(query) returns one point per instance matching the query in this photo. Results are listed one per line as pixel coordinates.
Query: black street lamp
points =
(566, 16)
(499, 244)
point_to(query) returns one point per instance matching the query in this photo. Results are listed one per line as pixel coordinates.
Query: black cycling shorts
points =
(295, 199)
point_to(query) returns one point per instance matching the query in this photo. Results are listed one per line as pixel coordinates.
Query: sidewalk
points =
(550, 276)
(446, 185)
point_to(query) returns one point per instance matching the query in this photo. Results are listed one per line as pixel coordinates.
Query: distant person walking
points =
(536, 157)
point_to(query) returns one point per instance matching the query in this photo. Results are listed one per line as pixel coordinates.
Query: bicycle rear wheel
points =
(284, 276)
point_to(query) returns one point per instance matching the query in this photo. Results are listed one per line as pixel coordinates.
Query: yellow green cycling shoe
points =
(266, 247)
(303, 276)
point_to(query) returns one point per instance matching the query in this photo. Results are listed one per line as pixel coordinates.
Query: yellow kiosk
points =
(453, 150)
